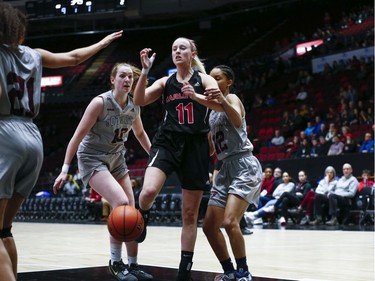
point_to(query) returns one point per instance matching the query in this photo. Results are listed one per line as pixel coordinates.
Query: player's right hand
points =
(146, 60)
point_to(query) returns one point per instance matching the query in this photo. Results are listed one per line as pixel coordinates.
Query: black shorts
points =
(186, 154)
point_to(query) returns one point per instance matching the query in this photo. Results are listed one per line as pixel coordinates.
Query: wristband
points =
(65, 168)
(145, 71)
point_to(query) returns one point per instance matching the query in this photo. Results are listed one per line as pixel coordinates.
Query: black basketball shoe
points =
(119, 270)
(135, 270)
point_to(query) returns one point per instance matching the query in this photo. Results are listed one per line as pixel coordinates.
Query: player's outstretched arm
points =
(77, 56)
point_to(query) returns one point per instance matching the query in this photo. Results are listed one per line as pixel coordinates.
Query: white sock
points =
(132, 260)
(116, 251)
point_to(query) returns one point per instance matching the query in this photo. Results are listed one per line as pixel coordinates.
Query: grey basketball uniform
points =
(241, 172)
(21, 153)
(103, 147)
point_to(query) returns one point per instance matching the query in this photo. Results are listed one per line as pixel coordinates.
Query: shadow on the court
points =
(101, 274)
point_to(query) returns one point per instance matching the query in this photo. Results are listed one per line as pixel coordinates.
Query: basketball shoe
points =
(227, 276)
(243, 276)
(119, 270)
(135, 270)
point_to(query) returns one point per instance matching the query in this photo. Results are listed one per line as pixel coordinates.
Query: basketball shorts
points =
(21, 156)
(240, 175)
(90, 160)
(186, 154)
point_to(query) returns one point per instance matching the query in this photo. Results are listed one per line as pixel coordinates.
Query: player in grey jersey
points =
(99, 144)
(21, 148)
(238, 181)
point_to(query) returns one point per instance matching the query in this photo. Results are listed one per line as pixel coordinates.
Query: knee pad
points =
(5, 233)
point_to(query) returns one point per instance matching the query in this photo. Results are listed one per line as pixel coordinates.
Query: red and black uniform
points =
(181, 143)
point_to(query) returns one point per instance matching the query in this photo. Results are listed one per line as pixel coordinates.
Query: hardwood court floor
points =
(273, 254)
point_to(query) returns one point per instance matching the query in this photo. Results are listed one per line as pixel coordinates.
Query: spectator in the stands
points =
(270, 100)
(336, 147)
(332, 131)
(305, 112)
(318, 126)
(367, 145)
(345, 190)
(344, 117)
(310, 129)
(323, 146)
(302, 94)
(277, 174)
(352, 93)
(298, 120)
(314, 148)
(287, 124)
(267, 187)
(349, 144)
(365, 117)
(302, 136)
(344, 131)
(292, 146)
(278, 139)
(319, 198)
(366, 196)
(293, 198)
(303, 150)
(354, 116)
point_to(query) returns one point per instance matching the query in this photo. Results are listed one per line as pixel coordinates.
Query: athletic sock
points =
(132, 260)
(227, 265)
(185, 265)
(242, 265)
(116, 251)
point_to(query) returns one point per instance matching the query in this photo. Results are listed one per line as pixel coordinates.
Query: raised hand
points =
(110, 38)
(146, 61)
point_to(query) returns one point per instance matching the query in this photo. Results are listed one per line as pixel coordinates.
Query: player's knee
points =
(147, 197)
(189, 217)
(229, 224)
(6, 233)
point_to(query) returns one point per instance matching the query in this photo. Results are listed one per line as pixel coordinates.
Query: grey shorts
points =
(21, 156)
(240, 175)
(90, 161)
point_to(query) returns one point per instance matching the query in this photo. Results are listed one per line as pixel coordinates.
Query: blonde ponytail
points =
(198, 64)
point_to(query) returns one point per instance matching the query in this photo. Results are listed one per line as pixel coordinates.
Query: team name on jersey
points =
(118, 120)
(176, 96)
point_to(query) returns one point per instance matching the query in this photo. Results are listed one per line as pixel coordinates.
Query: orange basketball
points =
(125, 223)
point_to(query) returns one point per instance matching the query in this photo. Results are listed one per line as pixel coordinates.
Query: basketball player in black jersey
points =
(181, 143)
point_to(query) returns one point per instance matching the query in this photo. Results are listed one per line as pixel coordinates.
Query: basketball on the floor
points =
(125, 223)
